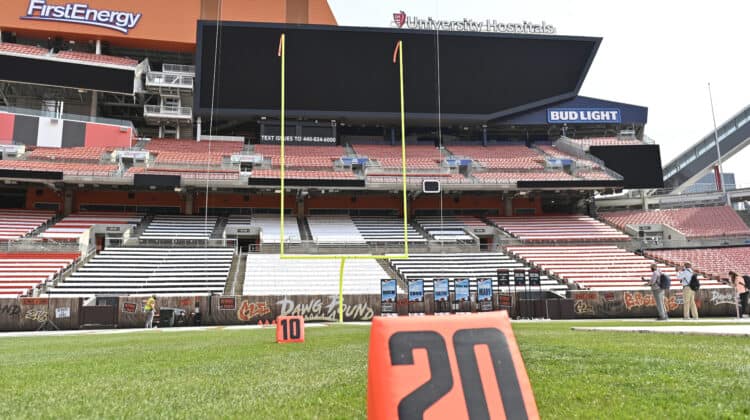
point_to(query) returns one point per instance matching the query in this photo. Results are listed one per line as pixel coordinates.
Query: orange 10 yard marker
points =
(290, 329)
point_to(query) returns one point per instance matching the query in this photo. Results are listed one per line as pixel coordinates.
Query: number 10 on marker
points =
(290, 329)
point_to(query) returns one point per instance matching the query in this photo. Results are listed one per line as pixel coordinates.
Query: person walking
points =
(150, 308)
(658, 291)
(688, 295)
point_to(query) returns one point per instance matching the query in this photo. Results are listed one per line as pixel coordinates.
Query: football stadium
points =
(429, 212)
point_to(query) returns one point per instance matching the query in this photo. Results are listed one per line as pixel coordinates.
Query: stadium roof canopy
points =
(347, 73)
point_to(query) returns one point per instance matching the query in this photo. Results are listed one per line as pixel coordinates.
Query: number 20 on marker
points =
(460, 367)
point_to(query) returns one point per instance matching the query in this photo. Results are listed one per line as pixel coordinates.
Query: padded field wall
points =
(26, 314)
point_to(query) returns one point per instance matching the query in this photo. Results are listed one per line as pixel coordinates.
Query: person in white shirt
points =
(689, 307)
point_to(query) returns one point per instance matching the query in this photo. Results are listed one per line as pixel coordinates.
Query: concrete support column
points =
(644, 200)
(508, 201)
(484, 135)
(393, 136)
(189, 203)
(98, 47)
(198, 129)
(94, 104)
(67, 201)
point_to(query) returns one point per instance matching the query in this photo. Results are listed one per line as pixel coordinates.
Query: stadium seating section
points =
(311, 157)
(331, 229)
(605, 141)
(191, 152)
(211, 174)
(449, 228)
(567, 228)
(97, 58)
(595, 267)
(698, 222)
(268, 274)
(295, 174)
(385, 229)
(514, 176)
(417, 156)
(71, 228)
(145, 271)
(70, 154)
(7, 47)
(374, 176)
(270, 227)
(501, 156)
(67, 168)
(183, 228)
(459, 266)
(20, 273)
(709, 261)
(15, 224)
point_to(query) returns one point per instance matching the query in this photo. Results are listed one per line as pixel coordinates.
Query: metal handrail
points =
(178, 68)
(162, 79)
(707, 142)
(185, 111)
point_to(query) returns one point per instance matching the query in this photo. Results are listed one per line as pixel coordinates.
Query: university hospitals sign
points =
(82, 14)
(401, 20)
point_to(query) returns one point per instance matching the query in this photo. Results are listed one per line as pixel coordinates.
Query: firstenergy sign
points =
(82, 14)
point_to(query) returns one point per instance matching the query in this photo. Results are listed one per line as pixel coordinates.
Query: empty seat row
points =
(382, 229)
(698, 222)
(270, 227)
(126, 271)
(268, 274)
(21, 273)
(71, 227)
(334, 229)
(595, 267)
(15, 224)
(449, 228)
(565, 228)
(709, 261)
(179, 228)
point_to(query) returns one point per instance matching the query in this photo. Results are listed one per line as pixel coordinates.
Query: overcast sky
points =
(658, 54)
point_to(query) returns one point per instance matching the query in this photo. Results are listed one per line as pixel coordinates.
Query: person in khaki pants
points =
(688, 295)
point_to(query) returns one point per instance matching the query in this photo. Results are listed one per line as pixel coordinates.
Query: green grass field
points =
(244, 374)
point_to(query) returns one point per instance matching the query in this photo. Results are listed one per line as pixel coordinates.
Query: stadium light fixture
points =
(398, 57)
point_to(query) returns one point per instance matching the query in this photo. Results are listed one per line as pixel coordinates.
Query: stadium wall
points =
(162, 25)
(26, 314)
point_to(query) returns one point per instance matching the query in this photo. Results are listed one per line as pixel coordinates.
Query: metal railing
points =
(173, 111)
(707, 142)
(169, 80)
(178, 68)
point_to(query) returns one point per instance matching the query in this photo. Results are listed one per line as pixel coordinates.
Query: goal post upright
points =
(397, 56)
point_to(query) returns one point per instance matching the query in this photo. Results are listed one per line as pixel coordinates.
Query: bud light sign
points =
(583, 116)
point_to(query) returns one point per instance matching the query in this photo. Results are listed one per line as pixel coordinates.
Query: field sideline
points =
(243, 373)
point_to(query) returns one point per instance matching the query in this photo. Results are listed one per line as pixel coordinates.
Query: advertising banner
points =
(462, 290)
(583, 116)
(441, 290)
(388, 295)
(416, 290)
